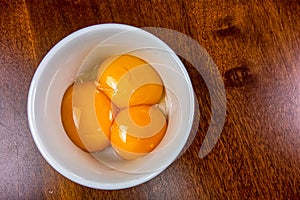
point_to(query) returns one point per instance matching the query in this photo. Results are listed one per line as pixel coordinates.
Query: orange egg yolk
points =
(137, 130)
(87, 116)
(129, 81)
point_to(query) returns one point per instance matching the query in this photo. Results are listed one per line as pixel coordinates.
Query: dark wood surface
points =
(258, 153)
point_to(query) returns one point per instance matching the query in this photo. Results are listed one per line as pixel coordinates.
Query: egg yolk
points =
(137, 130)
(87, 116)
(129, 81)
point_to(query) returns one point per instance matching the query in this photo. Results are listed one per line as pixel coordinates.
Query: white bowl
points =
(81, 51)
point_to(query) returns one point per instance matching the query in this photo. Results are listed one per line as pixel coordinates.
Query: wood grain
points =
(256, 46)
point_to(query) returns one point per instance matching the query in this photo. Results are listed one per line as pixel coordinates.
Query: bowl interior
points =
(78, 52)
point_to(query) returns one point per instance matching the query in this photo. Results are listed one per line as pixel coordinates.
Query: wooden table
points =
(256, 46)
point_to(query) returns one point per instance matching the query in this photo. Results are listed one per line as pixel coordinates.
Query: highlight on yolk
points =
(137, 130)
(129, 81)
(87, 116)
